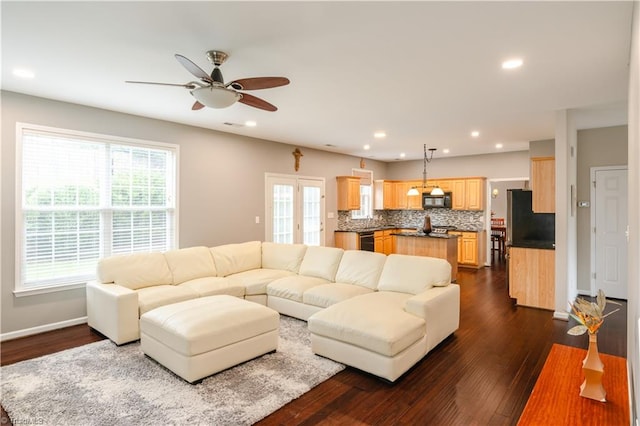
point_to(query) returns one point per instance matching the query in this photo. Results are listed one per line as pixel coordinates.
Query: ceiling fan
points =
(211, 90)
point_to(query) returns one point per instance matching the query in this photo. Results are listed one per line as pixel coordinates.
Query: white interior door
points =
(295, 209)
(609, 222)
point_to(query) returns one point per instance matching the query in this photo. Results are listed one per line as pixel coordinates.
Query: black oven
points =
(366, 241)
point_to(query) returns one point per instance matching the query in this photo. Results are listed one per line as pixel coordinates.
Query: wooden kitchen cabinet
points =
(543, 184)
(346, 240)
(467, 194)
(383, 241)
(532, 277)
(384, 195)
(348, 192)
(470, 248)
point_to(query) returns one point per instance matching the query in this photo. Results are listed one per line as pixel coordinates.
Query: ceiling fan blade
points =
(188, 86)
(196, 106)
(193, 68)
(256, 83)
(256, 102)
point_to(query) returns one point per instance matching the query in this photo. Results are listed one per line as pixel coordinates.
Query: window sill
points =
(44, 290)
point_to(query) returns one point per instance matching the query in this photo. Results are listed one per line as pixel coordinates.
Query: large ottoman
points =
(200, 337)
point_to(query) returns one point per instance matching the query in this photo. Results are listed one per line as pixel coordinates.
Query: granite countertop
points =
(423, 235)
(385, 228)
(535, 244)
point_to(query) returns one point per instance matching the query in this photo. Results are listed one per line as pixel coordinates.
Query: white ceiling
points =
(424, 72)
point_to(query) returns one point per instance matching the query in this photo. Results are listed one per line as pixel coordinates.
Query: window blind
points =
(83, 198)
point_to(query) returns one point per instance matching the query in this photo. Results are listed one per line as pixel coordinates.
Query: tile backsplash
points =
(461, 219)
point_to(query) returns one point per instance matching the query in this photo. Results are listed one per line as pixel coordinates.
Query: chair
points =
(498, 237)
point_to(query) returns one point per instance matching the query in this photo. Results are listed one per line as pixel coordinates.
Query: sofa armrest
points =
(440, 308)
(113, 311)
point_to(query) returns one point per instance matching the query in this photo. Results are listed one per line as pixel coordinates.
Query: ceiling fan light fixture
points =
(215, 97)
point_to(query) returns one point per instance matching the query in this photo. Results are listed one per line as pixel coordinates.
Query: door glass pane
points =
(282, 213)
(311, 220)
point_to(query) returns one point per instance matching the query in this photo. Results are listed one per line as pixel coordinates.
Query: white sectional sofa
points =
(363, 308)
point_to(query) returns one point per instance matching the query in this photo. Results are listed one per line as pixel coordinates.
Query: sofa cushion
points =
(234, 258)
(153, 297)
(321, 262)
(361, 268)
(375, 321)
(329, 294)
(282, 256)
(135, 271)
(190, 263)
(413, 274)
(211, 286)
(293, 287)
(255, 281)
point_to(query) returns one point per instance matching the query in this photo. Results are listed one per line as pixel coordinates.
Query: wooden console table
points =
(556, 399)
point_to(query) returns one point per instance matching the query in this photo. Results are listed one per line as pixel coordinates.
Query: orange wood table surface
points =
(556, 399)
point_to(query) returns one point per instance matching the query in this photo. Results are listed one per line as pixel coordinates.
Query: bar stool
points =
(498, 237)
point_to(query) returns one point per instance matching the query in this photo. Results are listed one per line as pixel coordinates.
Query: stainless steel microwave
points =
(436, 201)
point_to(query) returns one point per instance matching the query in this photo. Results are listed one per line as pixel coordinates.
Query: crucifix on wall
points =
(297, 154)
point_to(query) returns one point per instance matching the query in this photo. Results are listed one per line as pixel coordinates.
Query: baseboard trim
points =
(41, 329)
(561, 316)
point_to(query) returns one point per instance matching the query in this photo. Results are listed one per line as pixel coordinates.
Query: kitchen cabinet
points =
(383, 241)
(467, 194)
(384, 195)
(532, 277)
(348, 192)
(543, 184)
(470, 248)
(346, 240)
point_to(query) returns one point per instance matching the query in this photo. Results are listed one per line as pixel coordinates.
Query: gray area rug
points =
(100, 384)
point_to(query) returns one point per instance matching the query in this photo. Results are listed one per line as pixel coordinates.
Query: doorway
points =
(609, 227)
(294, 209)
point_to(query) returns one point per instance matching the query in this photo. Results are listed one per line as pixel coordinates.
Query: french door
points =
(294, 209)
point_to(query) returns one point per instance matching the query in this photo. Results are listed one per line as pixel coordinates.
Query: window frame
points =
(355, 214)
(105, 209)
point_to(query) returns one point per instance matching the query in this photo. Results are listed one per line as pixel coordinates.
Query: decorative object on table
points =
(297, 154)
(590, 316)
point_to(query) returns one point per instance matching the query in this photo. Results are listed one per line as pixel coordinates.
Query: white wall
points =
(221, 188)
(502, 165)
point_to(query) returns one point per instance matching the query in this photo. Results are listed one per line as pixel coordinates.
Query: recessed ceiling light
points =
(445, 151)
(498, 145)
(366, 147)
(379, 135)
(250, 123)
(23, 73)
(475, 134)
(512, 63)
(402, 155)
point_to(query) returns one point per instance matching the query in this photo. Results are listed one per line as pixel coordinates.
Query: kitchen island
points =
(418, 244)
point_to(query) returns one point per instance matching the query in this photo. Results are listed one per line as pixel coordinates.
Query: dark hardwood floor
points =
(482, 375)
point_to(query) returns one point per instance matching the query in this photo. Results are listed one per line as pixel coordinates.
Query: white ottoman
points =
(200, 337)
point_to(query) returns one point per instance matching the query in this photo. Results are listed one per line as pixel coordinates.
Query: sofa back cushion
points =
(286, 257)
(190, 263)
(135, 271)
(233, 258)
(321, 262)
(413, 274)
(361, 268)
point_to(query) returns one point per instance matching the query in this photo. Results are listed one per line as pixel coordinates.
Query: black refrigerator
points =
(526, 228)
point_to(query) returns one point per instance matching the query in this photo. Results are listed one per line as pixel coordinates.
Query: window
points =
(84, 196)
(366, 194)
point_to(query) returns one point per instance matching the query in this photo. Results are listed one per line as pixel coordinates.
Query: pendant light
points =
(436, 190)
